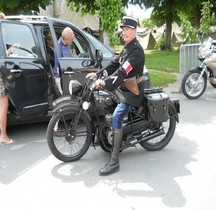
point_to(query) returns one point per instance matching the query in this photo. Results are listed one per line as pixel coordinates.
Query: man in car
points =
(65, 42)
(53, 60)
(125, 74)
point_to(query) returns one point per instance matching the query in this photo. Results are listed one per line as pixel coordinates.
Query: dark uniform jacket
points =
(50, 55)
(128, 64)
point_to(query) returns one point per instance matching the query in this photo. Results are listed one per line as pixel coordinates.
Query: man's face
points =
(50, 42)
(68, 40)
(128, 34)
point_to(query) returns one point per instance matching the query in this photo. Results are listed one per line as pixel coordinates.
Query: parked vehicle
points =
(87, 118)
(27, 72)
(195, 81)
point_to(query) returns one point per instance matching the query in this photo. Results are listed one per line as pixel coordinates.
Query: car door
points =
(83, 59)
(23, 70)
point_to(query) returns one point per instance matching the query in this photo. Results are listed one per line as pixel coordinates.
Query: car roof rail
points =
(26, 17)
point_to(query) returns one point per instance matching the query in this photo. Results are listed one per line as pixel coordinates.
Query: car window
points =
(99, 46)
(79, 47)
(18, 41)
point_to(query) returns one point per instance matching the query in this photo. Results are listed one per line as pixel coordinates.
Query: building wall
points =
(55, 9)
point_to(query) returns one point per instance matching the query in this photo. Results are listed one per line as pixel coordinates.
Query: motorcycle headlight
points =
(205, 53)
(74, 87)
(201, 55)
(85, 105)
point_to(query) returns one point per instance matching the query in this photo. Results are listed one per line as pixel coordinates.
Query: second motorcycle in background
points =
(194, 82)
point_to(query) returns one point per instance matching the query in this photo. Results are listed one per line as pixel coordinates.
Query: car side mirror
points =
(98, 58)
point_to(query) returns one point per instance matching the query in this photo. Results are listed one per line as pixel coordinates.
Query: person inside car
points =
(4, 138)
(125, 75)
(53, 60)
(65, 42)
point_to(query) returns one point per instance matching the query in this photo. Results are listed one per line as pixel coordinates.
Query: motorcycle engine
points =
(103, 99)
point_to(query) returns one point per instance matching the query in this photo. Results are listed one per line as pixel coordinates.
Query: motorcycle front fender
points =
(195, 69)
(70, 105)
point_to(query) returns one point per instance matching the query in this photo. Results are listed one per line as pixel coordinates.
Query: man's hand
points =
(99, 83)
(91, 76)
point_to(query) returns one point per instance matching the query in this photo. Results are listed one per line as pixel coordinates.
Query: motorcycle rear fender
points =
(175, 107)
(70, 105)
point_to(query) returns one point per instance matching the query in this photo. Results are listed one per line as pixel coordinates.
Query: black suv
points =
(27, 72)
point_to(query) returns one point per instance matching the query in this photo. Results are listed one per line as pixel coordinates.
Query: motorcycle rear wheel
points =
(161, 141)
(64, 143)
(188, 88)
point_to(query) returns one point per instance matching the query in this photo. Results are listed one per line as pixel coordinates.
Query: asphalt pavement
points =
(181, 176)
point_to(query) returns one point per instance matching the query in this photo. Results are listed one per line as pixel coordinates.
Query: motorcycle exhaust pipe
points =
(151, 135)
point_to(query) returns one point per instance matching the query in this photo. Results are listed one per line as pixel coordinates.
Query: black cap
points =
(130, 22)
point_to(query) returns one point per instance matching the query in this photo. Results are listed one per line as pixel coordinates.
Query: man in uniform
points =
(125, 74)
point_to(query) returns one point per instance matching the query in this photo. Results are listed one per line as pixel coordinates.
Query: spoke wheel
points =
(190, 87)
(68, 141)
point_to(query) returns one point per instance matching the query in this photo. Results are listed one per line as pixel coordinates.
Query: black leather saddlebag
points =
(157, 104)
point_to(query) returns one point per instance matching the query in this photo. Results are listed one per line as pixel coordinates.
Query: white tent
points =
(176, 36)
(147, 40)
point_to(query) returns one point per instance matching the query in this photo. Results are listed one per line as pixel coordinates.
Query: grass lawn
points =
(162, 66)
(162, 60)
(161, 78)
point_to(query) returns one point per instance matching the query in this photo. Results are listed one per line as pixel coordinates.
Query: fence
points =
(188, 58)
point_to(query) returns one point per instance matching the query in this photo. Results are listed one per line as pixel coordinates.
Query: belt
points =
(139, 79)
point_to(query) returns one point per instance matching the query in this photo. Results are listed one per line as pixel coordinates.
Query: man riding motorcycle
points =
(125, 74)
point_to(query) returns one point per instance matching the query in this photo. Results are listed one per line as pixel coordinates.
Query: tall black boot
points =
(113, 164)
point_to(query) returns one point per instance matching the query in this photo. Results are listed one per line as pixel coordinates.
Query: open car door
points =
(23, 70)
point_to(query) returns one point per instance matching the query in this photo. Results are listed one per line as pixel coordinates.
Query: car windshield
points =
(98, 45)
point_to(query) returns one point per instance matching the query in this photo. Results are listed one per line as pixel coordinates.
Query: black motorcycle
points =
(85, 119)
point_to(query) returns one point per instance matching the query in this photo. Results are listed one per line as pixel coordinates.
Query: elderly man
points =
(127, 67)
(65, 42)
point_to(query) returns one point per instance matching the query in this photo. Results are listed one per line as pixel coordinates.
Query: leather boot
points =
(112, 165)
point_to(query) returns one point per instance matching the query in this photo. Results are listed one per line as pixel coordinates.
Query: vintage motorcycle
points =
(85, 117)
(194, 82)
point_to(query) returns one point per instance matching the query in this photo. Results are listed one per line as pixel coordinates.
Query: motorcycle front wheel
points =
(69, 141)
(161, 141)
(191, 87)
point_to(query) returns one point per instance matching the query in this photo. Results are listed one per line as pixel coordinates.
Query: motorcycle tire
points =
(161, 141)
(187, 84)
(64, 143)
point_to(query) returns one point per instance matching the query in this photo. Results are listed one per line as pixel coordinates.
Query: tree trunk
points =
(197, 17)
(168, 34)
(169, 20)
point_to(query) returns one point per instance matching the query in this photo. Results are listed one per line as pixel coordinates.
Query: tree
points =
(10, 7)
(109, 13)
(165, 11)
(170, 10)
(208, 17)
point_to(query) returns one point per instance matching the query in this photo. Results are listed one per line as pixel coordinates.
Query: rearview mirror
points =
(98, 58)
